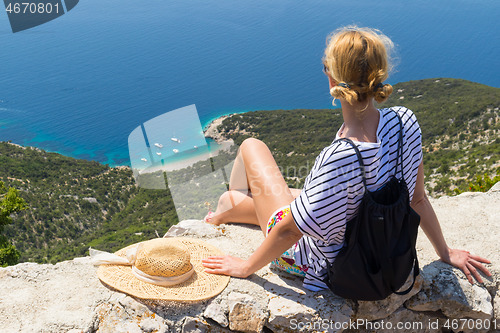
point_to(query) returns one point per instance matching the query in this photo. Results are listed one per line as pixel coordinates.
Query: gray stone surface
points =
(380, 309)
(216, 312)
(245, 313)
(453, 296)
(495, 188)
(294, 308)
(50, 297)
(149, 325)
(406, 321)
(194, 325)
(68, 297)
(195, 228)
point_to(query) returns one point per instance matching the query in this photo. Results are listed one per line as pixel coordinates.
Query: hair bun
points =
(344, 91)
(382, 92)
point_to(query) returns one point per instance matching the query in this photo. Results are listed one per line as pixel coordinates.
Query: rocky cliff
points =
(68, 297)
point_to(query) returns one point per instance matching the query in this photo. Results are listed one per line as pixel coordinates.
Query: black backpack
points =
(379, 251)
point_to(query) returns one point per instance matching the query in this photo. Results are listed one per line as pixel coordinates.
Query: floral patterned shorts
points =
(287, 260)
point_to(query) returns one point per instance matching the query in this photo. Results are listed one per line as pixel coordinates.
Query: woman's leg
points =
(236, 207)
(238, 180)
(267, 185)
(268, 188)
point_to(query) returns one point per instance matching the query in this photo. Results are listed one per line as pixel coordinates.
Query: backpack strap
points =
(360, 158)
(400, 148)
(399, 158)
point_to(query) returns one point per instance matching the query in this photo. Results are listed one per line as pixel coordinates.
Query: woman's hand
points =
(226, 265)
(468, 263)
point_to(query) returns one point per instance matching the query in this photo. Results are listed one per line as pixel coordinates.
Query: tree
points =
(10, 202)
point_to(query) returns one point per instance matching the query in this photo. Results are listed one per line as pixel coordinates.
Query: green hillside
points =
(74, 204)
(460, 128)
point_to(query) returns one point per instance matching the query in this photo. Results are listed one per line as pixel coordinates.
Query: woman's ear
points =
(331, 82)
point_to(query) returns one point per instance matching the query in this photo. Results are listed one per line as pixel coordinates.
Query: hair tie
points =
(379, 86)
(344, 85)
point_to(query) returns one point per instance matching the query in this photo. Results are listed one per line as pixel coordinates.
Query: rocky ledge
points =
(68, 296)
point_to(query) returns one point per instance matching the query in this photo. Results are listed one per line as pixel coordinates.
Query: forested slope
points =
(76, 203)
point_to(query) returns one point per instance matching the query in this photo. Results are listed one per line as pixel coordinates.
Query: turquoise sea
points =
(80, 84)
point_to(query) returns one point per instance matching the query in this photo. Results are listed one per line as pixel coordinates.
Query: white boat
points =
(175, 140)
(175, 151)
(195, 147)
(158, 153)
(159, 145)
(143, 159)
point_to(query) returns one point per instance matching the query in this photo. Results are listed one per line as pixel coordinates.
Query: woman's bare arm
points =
(283, 235)
(429, 223)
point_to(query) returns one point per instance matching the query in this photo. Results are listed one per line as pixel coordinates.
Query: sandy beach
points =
(176, 165)
(210, 131)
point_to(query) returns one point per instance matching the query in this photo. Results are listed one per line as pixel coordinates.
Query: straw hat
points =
(167, 269)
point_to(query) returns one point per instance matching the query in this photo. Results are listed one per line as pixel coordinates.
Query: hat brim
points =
(200, 286)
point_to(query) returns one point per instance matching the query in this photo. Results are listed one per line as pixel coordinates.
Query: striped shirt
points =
(334, 188)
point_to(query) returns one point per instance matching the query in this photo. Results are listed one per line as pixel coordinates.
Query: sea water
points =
(81, 83)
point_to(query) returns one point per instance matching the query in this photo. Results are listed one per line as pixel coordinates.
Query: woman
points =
(307, 227)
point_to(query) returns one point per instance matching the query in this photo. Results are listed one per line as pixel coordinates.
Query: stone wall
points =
(68, 297)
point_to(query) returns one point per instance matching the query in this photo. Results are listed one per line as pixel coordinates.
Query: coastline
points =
(211, 131)
(181, 164)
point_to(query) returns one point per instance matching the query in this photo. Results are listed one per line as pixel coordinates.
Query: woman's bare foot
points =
(212, 218)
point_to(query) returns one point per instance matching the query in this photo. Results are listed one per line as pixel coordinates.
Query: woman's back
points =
(333, 190)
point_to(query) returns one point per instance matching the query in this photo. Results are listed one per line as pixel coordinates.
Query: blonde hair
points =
(358, 59)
